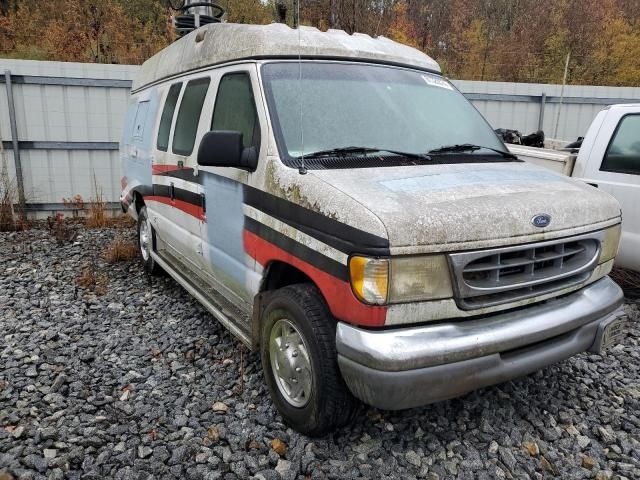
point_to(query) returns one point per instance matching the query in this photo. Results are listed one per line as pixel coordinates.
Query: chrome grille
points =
(491, 277)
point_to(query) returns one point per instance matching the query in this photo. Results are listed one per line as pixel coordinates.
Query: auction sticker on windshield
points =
(437, 82)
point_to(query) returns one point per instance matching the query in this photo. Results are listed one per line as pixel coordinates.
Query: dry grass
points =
(7, 194)
(91, 280)
(61, 229)
(7, 220)
(120, 250)
(75, 204)
(628, 280)
(97, 216)
(121, 221)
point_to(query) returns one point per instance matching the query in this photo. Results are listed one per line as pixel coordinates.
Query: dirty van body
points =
(354, 218)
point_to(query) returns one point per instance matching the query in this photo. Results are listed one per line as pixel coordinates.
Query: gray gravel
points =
(141, 383)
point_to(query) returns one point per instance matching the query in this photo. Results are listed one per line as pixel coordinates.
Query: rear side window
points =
(623, 154)
(184, 135)
(236, 109)
(167, 115)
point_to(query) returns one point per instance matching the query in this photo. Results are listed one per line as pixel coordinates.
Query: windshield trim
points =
(295, 162)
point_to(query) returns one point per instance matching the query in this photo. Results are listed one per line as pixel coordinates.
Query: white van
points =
(336, 203)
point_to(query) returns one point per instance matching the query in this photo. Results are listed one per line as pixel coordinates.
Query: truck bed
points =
(556, 160)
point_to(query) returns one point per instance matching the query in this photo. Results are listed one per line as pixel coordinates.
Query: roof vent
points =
(194, 14)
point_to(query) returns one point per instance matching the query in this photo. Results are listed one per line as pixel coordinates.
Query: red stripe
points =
(160, 169)
(191, 209)
(341, 300)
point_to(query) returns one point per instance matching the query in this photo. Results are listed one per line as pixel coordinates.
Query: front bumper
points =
(409, 367)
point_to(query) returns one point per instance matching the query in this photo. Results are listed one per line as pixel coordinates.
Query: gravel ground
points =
(140, 382)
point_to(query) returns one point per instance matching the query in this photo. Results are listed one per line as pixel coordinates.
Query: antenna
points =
(302, 170)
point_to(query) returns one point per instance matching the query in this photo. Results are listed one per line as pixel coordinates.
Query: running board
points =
(204, 300)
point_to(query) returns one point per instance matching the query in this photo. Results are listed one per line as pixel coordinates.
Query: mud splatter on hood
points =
(444, 204)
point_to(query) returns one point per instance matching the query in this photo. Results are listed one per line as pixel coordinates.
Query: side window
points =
(236, 109)
(184, 135)
(167, 115)
(623, 153)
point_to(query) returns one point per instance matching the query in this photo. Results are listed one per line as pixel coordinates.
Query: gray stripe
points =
(500, 97)
(61, 207)
(26, 145)
(69, 82)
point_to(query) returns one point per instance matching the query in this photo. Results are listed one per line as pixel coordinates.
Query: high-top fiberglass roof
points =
(226, 42)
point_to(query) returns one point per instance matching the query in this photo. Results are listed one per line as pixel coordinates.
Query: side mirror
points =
(221, 148)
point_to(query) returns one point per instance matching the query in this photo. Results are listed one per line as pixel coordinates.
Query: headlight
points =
(419, 278)
(404, 279)
(610, 243)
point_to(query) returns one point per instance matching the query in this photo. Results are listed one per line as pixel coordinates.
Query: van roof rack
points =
(195, 14)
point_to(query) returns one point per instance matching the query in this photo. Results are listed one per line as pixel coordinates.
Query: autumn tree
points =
(509, 40)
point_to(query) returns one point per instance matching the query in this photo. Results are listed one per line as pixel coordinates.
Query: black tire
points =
(149, 264)
(330, 405)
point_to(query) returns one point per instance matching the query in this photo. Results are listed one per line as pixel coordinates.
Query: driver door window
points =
(623, 153)
(235, 108)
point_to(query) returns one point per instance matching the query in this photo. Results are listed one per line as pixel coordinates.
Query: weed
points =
(10, 220)
(75, 204)
(121, 221)
(97, 217)
(120, 250)
(91, 280)
(60, 229)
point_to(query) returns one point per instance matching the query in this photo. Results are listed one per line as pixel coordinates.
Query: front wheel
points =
(298, 350)
(145, 243)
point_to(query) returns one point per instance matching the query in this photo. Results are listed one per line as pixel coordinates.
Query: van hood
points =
(474, 203)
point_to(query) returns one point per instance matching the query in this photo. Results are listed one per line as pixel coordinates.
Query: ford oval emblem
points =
(542, 220)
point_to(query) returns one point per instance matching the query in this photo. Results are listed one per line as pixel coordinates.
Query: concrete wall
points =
(69, 118)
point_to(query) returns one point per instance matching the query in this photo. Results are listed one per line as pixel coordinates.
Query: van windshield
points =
(345, 105)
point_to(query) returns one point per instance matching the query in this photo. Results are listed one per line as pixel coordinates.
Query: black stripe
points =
(184, 174)
(339, 235)
(178, 194)
(297, 249)
(336, 234)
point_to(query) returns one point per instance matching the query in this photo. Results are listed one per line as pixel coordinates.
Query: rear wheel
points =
(300, 362)
(145, 243)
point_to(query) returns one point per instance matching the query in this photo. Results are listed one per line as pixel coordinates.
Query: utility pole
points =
(564, 82)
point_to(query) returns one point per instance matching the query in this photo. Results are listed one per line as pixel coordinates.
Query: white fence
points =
(528, 107)
(68, 117)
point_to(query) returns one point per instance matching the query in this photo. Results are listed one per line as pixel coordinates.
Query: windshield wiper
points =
(348, 151)
(469, 147)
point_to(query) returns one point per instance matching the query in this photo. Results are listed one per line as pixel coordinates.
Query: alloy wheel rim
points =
(290, 363)
(144, 240)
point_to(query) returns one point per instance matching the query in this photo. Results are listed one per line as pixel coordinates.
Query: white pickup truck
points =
(608, 159)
